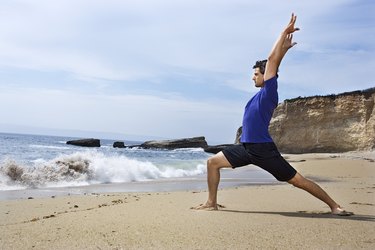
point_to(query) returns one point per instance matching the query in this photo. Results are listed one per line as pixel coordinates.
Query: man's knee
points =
(212, 162)
(217, 161)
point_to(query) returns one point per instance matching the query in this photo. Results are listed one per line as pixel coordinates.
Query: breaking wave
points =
(85, 168)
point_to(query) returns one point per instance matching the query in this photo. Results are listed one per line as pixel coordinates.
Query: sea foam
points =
(89, 167)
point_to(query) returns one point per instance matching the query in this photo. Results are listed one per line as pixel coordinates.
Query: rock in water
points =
(119, 144)
(216, 149)
(85, 142)
(194, 142)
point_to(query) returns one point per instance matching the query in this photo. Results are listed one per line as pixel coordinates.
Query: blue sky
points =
(169, 69)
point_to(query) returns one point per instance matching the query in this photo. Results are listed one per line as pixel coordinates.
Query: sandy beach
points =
(275, 216)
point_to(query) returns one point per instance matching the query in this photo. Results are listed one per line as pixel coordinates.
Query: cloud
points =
(178, 62)
(127, 40)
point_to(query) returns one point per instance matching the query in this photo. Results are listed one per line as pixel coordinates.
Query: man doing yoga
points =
(257, 146)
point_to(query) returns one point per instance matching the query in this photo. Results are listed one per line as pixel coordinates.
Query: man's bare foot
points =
(341, 212)
(207, 207)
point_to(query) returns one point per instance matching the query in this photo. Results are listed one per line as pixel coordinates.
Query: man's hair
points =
(261, 65)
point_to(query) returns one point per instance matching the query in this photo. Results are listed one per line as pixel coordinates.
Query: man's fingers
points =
(291, 19)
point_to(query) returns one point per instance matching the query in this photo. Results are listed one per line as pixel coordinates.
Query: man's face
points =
(258, 78)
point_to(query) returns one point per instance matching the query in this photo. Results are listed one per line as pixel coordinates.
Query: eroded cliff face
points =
(335, 123)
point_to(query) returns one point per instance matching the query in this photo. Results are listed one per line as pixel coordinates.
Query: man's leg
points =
(214, 164)
(314, 189)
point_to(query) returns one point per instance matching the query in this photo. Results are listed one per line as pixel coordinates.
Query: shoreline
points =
(249, 175)
(255, 217)
(244, 176)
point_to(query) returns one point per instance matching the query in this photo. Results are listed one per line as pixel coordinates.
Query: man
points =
(257, 145)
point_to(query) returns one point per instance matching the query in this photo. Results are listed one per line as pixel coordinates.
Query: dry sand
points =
(256, 216)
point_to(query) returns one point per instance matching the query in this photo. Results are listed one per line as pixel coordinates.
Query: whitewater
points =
(37, 161)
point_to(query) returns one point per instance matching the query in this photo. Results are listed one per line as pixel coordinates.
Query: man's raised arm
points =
(282, 45)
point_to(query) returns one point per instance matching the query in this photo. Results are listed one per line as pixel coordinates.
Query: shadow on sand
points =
(306, 214)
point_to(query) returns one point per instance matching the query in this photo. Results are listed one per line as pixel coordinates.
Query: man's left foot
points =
(207, 207)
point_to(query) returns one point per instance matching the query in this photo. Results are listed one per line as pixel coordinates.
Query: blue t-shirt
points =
(258, 113)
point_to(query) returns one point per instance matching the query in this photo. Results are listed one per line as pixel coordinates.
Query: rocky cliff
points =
(334, 123)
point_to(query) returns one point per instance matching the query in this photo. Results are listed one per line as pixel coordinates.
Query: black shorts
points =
(264, 155)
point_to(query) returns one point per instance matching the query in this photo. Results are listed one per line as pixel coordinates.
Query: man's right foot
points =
(341, 212)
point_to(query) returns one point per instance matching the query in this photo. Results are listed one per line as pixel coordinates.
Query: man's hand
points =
(288, 43)
(290, 27)
(289, 30)
(282, 45)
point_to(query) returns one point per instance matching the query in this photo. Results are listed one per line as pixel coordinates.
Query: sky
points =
(168, 69)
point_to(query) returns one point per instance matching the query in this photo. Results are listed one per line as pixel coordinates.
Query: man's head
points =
(258, 76)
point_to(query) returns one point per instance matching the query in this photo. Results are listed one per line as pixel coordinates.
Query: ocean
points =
(41, 165)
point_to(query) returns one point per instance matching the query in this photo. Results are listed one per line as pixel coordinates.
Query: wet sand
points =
(275, 216)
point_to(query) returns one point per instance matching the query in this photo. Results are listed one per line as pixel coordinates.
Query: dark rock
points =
(134, 146)
(119, 144)
(85, 142)
(238, 136)
(195, 142)
(216, 149)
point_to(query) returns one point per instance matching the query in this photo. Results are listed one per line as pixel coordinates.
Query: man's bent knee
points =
(218, 161)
